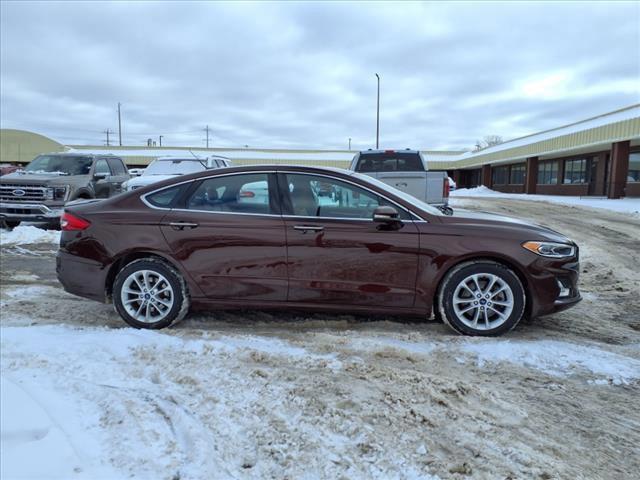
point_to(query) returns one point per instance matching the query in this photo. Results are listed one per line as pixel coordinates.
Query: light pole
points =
(378, 116)
(349, 143)
(160, 138)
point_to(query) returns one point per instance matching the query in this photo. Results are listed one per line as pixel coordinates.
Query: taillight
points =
(445, 188)
(70, 222)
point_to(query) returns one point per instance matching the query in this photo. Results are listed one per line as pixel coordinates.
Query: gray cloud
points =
(302, 74)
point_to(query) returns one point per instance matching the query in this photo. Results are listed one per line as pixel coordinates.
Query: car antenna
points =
(198, 158)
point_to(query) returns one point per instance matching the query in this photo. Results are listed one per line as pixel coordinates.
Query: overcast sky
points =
(302, 74)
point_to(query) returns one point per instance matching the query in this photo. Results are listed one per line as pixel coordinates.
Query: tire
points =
(498, 309)
(10, 224)
(151, 308)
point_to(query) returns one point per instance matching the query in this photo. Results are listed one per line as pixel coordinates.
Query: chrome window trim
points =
(410, 212)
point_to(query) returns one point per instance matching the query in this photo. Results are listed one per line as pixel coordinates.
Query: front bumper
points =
(34, 212)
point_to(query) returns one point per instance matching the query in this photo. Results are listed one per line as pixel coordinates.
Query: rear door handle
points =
(182, 225)
(305, 228)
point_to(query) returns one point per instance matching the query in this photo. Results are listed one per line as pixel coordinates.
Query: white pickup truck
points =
(406, 170)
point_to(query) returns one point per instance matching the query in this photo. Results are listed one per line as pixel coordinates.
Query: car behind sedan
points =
(270, 237)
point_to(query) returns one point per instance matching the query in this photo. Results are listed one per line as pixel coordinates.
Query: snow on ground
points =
(622, 205)
(81, 400)
(26, 234)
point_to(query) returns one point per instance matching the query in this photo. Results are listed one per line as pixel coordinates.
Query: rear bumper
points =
(30, 211)
(80, 276)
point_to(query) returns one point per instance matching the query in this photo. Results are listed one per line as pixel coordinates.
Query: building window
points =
(634, 167)
(575, 171)
(517, 174)
(500, 175)
(548, 173)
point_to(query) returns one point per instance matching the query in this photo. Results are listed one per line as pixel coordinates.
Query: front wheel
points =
(481, 298)
(148, 293)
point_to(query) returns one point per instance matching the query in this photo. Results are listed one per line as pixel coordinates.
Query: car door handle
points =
(182, 225)
(402, 184)
(305, 228)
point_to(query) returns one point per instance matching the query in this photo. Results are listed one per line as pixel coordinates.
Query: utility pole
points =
(349, 143)
(107, 131)
(207, 130)
(378, 116)
(160, 138)
(119, 126)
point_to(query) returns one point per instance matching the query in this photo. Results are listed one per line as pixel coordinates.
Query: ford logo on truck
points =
(18, 193)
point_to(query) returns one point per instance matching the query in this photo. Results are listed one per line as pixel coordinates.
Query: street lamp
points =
(378, 116)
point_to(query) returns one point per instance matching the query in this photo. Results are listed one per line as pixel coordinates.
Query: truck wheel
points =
(481, 298)
(149, 293)
(10, 224)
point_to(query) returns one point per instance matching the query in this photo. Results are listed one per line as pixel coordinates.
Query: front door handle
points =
(305, 228)
(182, 225)
(401, 184)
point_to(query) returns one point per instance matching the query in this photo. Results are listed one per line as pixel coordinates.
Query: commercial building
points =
(599, 156)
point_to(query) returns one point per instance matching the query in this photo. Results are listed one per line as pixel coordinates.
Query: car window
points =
(60, 164)
(390, 162)
(116, 166)
(165, 198)
(318, 196)
(102, 166)
(243, 193)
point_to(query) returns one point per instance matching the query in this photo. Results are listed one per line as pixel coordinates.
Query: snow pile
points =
(557, 358)
(23, 235)
(622, 205)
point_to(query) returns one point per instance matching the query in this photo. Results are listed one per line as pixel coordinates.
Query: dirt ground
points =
(387, 397)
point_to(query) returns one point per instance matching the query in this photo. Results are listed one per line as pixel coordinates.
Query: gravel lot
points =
(285, 395)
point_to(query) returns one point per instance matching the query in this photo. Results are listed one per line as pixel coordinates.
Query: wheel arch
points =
(127, 258)
(508, 263)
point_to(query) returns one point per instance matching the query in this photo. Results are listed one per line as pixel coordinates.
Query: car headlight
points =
(550, 249)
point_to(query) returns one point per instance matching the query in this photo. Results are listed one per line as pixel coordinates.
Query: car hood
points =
(41, 179)
(144, 180)
(516, 226)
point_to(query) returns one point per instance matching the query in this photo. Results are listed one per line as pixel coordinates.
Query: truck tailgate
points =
(413, 183)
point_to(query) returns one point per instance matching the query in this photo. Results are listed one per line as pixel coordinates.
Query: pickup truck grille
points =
(22, 193)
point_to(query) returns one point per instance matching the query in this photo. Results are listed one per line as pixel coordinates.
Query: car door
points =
(102, 178)
(336, 253)
(119, 175)
(231, 243)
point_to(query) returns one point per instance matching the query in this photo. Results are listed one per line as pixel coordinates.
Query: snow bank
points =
(557, 358)
(23, 235)
(622, 205)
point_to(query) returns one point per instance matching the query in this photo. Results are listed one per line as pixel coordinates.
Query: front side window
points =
(548, 173)
(575, 171)
(245, 193)
(318, 196)
(634, 167)
(102, 167)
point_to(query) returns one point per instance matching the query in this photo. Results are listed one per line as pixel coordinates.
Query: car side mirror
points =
(387, 216)
(99, 176)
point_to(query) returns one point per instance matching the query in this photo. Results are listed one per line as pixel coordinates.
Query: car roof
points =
(390, 150)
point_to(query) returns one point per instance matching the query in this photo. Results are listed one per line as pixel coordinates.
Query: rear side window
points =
(246, 193)
(390, 162)
(167, 197)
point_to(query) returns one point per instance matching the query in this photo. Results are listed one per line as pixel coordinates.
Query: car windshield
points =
(174, 167)
(400, 194)
(60, 165)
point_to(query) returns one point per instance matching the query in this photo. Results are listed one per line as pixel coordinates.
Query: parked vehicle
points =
(136, 172)
(39, 192)
(169, 167)
(452, 184)
(406, 170)
(198, 242)
(7, 168)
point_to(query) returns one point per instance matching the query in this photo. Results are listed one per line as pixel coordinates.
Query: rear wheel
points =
(481, 298)
(10, 224)
(148, 293)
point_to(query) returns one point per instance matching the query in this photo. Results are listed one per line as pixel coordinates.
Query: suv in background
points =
(39, 192)
(163, 168)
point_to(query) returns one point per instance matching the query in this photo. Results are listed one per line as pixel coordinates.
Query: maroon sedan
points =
(267, 237)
